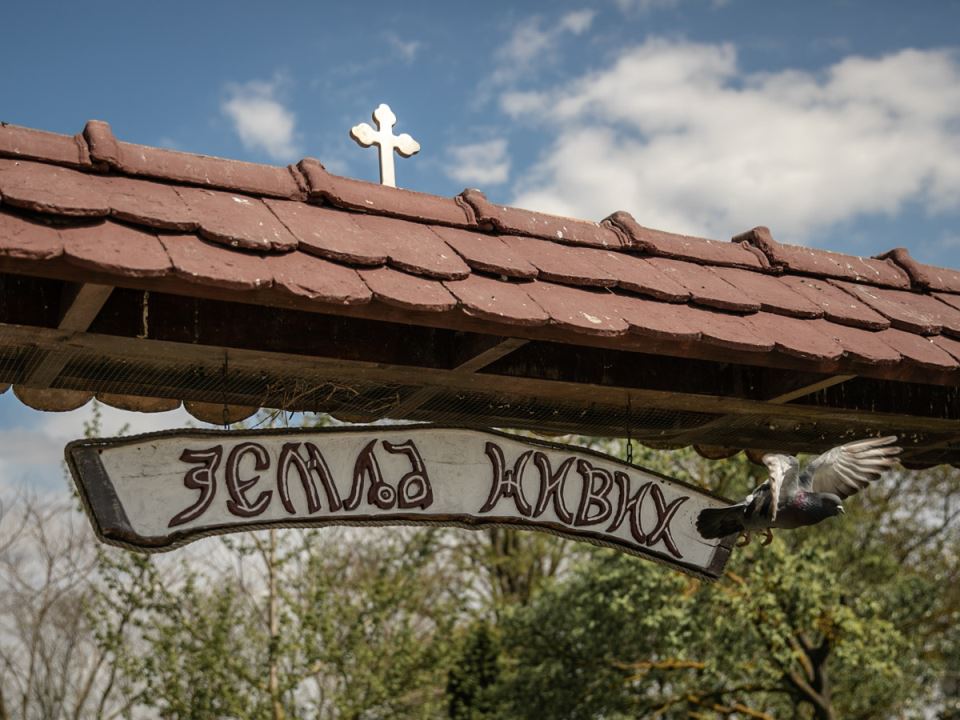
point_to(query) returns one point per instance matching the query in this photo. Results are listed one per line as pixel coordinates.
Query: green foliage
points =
(474, 675)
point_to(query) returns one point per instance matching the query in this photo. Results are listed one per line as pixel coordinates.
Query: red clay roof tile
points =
(918, 349)
(317, 279)
(497, 301)
(558, 263)
(408, 291)
(951, 346)
(793, 336)
(382, 200)
(658, 242)
(838, 306)
(486, 253)
(823, 263)
(237, 220)
(951, 300)
(863, 345)
(639, 276)
(922, 275)
(705, 286)
(414, 248)
(329, 233)
(148, 203)
(51, 189)
(656, 319)
(115, 249)
(772, 294)
(909, 311)
(209, 264)
(586, 311)
(725, 330)
(23, 239)
(549, 227)
(175, 166)
(27, 144)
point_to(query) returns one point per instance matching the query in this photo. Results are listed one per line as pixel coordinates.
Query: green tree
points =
(847, 619)
(474, 675)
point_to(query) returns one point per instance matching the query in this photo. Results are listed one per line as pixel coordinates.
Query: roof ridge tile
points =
(683, 247)
(374, 199)
(825, 263)
(54, 148)
(517, 221)
(206, 171)
(102, 143)
(928, 277)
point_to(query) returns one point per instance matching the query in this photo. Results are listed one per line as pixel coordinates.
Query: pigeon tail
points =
(720, 522)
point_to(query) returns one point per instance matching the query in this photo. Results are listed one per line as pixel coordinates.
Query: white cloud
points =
(260, 120)
(678, 135)
(405, 49)
(33, 456)
(532, 45)
(483, 163)
(647, 6)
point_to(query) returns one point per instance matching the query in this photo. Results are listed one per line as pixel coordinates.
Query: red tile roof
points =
(126, 212)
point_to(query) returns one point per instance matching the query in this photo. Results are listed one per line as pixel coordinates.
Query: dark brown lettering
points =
(315, 465)
(201, 478)
(665, 514)
(380, 493)
(506, 481)
(551, 487)
(239, 504)
(414, 489)
(630, 505)
(593, 496)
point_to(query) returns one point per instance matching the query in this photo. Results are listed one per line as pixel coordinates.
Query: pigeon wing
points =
(783, 480)
(849, 468)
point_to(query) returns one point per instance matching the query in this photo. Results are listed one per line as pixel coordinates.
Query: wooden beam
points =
(809, 389)
(686, 437)
(315, 370)
(80, 305)
(470, 365)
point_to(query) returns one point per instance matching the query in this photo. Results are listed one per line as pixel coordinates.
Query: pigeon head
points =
(829, 505)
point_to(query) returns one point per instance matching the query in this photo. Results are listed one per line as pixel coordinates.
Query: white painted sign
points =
(156, 492)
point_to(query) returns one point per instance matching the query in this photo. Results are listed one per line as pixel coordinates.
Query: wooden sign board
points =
(156, 492)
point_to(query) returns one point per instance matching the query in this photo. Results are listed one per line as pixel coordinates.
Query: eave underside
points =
(142, 342)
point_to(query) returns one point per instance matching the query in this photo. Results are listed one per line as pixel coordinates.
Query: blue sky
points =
(836, 124)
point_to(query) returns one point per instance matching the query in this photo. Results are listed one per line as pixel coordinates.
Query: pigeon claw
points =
(744, 539)
(769, 537)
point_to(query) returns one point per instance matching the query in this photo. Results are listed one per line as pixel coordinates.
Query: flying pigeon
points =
(790, 498)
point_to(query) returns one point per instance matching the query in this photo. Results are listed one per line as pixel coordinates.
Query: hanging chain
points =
(629, 433)
(223, 391)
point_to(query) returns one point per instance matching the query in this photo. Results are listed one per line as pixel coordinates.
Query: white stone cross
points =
(388, 142)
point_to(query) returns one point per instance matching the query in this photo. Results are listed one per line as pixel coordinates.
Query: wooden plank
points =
(283, 364)
(159, 491)
(470, 365)
(810, 389)
(689, 437)
(80, 305)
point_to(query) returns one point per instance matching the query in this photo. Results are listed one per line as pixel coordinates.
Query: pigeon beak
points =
(842, 511)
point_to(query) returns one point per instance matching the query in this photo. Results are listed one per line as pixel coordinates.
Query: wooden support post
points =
(79, 308)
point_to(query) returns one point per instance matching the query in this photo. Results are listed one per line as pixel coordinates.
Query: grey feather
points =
(847, 469)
